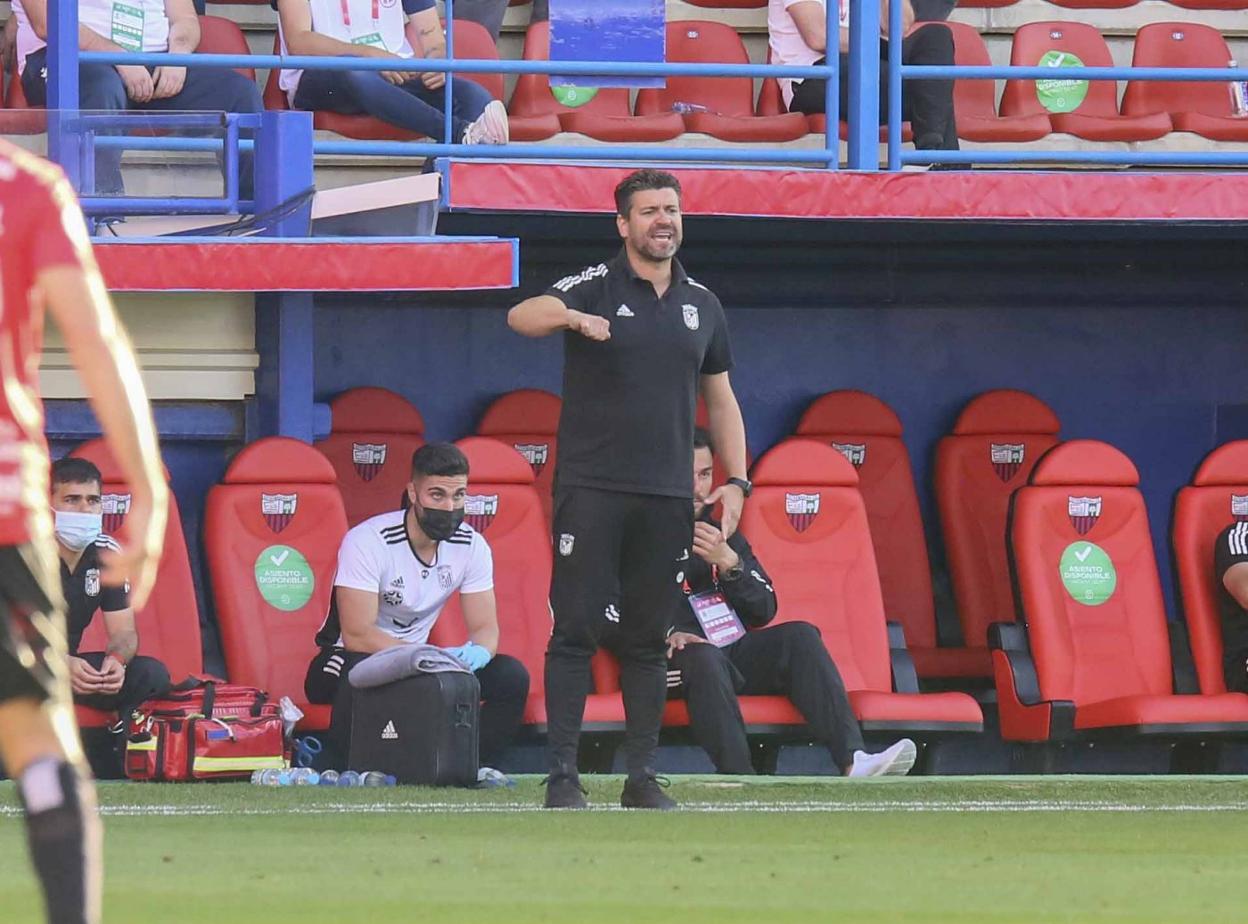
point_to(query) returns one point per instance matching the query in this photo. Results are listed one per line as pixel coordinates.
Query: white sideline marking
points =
(418, 808)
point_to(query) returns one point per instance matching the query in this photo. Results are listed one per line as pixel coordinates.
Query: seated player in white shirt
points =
(395, 573)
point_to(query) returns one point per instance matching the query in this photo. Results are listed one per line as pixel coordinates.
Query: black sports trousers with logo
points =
(33, 652)
(618, 576)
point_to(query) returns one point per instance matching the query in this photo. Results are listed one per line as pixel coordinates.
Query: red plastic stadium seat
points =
(868, 433)
(1095, 4)
(605, 117)
(372, 437)
(271, 534)
(807, 523)
(18, 116)
(729, 100)
(1212, 4)
(985, 4)
(503, 506)
(169, 624)
(819, 124)
(220, 36)
(529, 421)
(1216, 498)
(1096, 118)
(974, 101)
(729, 4)
(1087, 582)
(995, 443)
(1199, 107)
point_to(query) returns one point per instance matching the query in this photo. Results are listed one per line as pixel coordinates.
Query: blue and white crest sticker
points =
(691, 316)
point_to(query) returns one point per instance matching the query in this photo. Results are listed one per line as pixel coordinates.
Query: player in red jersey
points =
(46, 262)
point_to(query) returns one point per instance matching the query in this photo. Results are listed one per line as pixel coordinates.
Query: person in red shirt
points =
(46, 261)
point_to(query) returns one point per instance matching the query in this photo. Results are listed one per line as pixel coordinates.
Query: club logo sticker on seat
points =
(284, 578)
(114, 507)
(535, 454)
(1239, 506)
(1007, 459)
(856, 453)
(802, 510)
(1087, 573)
(1084, 512)
(368, 458)
(480, 510)
(278, 509)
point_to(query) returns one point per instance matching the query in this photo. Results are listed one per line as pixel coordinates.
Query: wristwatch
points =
(733, 573)
(746, 486)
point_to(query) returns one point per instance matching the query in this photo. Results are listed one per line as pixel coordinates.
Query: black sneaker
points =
(564, 790)
(645, 791)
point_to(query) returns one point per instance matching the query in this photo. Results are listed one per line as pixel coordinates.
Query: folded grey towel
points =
(403, 661)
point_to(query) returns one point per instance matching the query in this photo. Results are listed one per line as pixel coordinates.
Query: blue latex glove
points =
(472, 654)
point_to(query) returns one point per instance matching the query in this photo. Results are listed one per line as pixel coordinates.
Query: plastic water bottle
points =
(1239, 94)
(268, 777)
(328, 778)
(686, 108)
(348, 778)
(375, 778)
(304, 776)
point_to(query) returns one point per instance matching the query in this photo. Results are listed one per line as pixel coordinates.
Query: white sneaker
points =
(894, 761)
(491, 127)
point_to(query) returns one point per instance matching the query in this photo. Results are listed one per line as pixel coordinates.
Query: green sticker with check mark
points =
(1087, 573)
(284, 577)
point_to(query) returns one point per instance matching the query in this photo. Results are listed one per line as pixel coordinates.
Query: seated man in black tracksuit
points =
(746, 658)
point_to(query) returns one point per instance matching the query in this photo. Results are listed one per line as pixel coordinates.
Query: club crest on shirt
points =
(566, 542)
(444, 577)
(1006, 458)
(690, 313)
(393, 597)
(1083, 512)
(368, 459)
(278, 510)
(92, 584)
(480, 510)
(801, 509)
(1239, 506)
(535, 454)
(114, 507)
(856, 453)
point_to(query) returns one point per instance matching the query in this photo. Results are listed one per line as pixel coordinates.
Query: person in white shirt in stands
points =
(797, 33)
(395, 573)
(147, 26)
(384, 29)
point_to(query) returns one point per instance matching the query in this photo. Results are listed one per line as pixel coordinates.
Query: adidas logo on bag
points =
(388, 733)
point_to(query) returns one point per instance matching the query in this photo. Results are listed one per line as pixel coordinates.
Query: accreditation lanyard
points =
(372, 38)
(346, 12)
(719, 621)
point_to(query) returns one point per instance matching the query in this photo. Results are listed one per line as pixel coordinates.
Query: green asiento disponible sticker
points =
(284, 578)
(573, 97)
(1087, 573)
(1057, 94)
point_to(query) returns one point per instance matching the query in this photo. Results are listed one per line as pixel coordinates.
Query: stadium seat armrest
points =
(1007, 636)
(1182, 664)
(1024, 715)
(905, 678)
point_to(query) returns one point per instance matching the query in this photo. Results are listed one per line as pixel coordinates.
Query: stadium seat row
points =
(724, 107)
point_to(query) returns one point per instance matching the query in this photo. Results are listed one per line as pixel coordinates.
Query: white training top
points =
(381, 23)
(135, 25)
(375, 556)
(787, 44)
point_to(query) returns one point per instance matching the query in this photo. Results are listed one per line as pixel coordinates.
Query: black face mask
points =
(439, 524)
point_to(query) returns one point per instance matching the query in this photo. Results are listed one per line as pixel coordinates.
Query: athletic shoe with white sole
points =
(893, 761)
(491, 127)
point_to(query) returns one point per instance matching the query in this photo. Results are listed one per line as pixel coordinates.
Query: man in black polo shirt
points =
(640, 339)
(118, 678)
(1230, 558)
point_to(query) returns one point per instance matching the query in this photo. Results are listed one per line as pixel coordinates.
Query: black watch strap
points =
(746, 486)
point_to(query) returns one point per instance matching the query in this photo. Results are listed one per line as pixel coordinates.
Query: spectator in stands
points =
(117, 679)
(744, 657)
(797, 31)
(395, 573)
(141, 26)
(408, 99)
(1231, 570)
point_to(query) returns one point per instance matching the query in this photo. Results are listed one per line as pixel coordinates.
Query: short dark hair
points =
(702, 439)
(444, 459)
(72, 470)
(640, 180)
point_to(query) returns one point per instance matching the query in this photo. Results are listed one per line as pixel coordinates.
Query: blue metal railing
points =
(74, 148)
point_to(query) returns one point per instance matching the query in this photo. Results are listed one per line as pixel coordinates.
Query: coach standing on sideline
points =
(640, 337)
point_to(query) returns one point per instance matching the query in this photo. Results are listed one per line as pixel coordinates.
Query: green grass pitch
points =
(760, 851)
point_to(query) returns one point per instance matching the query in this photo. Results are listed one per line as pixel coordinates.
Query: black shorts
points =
(33, 649)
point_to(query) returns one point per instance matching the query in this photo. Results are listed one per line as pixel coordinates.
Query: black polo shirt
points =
(1231, 548)
(85, 593)
(629, 402)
